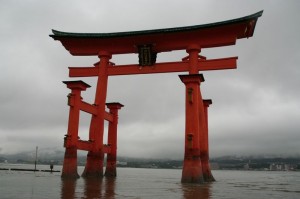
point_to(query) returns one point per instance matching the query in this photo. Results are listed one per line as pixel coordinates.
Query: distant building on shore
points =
(121, 163)
(282, 167)
(214, 166)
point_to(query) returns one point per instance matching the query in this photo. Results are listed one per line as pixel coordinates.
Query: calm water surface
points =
(148, 183)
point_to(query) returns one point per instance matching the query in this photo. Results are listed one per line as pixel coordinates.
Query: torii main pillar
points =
(94, 162)
(192, 168)
(194, 119)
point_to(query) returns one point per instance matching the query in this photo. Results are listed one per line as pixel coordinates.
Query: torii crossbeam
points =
(147, 44)
(167, 67)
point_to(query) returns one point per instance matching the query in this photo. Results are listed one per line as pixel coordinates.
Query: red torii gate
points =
(147, 44)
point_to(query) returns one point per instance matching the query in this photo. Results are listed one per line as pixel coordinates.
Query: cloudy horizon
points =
(255, 110)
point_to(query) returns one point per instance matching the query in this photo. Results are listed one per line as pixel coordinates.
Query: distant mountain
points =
(29, 156)
(54, 156)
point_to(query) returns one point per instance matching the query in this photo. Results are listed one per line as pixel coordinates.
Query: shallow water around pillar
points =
(147, 183)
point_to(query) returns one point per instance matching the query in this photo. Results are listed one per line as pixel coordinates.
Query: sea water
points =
(147, 183)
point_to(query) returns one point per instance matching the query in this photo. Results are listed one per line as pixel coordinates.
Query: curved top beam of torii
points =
(205, 36)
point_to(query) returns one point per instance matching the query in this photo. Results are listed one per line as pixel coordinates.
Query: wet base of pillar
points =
(70, 164)
(192, 171)
(111, 166)
(94, 165)
(192, 176)
(110, 172)
(70, 176)
(208, 177)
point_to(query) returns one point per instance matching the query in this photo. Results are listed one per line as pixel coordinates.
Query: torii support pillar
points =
(111, 163)
(204, 145)
(94, 162)
(192, 168)
(74, 99)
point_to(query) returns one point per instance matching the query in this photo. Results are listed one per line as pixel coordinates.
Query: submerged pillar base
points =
(111, 166)
(207, 175)
(192, 173)
(94, 165)
(192, 168)
(70, 163)
(110, 172)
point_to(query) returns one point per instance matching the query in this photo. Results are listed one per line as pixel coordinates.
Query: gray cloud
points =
(255, 108)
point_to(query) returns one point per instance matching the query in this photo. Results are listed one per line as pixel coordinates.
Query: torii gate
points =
(147, 44)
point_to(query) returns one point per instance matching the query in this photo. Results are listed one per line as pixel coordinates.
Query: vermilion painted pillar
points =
(204, 143)
(70, 142)
(193, 51)
(192, 169)
(111, 164)
(94, 163)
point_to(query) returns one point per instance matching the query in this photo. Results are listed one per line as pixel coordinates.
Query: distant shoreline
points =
(33, 170)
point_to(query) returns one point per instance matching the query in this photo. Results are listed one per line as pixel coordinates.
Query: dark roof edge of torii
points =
(57, 34)
(239, 28)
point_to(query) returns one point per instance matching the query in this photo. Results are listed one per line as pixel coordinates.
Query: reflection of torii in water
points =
(147, 44)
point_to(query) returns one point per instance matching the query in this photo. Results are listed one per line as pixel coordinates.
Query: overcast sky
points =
(255, 110)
